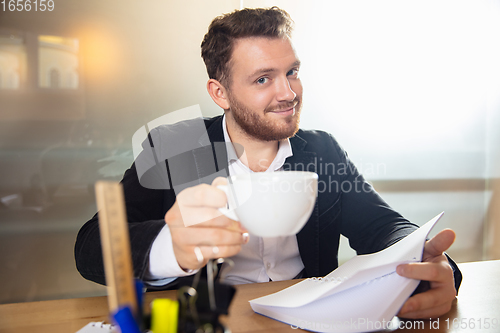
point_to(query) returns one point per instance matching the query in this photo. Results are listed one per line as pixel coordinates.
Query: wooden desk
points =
(478, 302)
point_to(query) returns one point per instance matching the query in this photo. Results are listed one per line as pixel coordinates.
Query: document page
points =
(358, 296)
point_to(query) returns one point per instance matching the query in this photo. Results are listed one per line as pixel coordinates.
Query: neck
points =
(258, 154)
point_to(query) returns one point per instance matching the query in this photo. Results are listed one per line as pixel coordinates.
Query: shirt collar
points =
(284, 150)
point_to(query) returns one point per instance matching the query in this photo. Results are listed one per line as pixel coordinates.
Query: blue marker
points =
(126, 321)
(139, 286)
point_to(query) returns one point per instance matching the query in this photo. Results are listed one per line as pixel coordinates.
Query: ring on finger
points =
(199, 255)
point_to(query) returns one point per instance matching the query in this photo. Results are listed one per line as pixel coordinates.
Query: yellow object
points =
(164, 315)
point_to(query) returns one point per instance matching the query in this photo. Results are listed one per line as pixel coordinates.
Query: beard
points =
(265, 128)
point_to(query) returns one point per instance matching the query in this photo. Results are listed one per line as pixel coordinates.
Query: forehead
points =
(253, 53)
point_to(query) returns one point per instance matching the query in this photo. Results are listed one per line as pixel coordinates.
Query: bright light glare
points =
(390, 77)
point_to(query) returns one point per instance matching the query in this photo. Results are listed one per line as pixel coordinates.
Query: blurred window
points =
(54, 78)
(12, 60)
(58, 62)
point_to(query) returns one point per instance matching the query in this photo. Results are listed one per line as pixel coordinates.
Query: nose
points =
(284, 91)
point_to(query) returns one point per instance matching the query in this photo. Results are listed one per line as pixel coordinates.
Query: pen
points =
(126, 321)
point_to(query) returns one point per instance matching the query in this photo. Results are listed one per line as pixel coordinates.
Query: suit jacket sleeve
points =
(367, 220)
(149, 193)
(145, 214)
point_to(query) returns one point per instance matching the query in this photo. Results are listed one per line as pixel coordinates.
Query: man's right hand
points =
(213, 233)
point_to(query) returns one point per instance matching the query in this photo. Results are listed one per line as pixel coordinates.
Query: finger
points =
(228, 224)
(202, 195)
(198, 256)
(219, 181)
(209, 237)
(428, 300)
(428, 271)
(222, 251)
(439, 243)
(180, 217)
(223, 221)
(427, 313)
(206, 216)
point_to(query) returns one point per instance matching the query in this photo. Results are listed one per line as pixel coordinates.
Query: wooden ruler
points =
(115, 244)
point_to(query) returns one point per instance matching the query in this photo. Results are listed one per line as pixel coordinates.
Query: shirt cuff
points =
(162, 262)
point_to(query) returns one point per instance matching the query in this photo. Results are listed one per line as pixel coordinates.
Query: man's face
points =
(265, 93)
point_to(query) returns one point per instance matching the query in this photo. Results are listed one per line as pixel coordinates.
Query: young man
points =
(253, 76)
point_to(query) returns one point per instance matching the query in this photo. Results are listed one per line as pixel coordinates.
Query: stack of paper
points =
(362, 295)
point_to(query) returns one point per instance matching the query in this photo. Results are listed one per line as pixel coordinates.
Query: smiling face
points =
(265, 92)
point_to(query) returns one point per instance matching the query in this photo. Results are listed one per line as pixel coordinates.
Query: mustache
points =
(283, 106)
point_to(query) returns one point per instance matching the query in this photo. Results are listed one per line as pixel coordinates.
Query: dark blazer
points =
(346, 203)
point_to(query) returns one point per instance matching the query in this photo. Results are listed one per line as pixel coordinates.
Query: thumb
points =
(219, 181)
(439, 243)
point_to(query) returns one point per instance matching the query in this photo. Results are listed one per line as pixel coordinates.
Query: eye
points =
(293, 72)
(262, 80)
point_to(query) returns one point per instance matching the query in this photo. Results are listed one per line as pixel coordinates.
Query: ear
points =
(218, 93)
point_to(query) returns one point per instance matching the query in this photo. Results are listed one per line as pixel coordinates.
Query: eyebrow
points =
(270, 70)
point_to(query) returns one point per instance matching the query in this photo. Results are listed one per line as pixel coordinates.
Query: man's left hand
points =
(435, 269)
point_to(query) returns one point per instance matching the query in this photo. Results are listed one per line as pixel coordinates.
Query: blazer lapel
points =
(308, 237)
(211, 158)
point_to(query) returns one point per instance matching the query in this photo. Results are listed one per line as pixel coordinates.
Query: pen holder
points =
(202, 302)
(196, 312)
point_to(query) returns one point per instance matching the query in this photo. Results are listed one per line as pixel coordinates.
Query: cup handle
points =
(224, 210)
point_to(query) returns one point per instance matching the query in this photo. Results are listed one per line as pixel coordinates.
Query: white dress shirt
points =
(260, 260)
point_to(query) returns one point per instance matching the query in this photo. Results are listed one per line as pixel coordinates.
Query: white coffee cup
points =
(271, 204)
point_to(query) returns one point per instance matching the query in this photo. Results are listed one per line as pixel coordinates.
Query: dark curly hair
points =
(218, 43)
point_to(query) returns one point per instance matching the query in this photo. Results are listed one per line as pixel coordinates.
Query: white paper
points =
(98, 327)
(362, 295)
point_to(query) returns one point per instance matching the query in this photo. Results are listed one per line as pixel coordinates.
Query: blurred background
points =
(411, 89)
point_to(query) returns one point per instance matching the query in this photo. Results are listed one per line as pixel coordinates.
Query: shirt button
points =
(268, 265)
